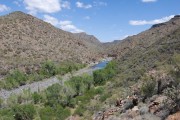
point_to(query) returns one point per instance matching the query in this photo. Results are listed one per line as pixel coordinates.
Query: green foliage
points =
(47, 113)
(148, 87)
(80, 84)
(55, 113)
(37, 98)
(48, 69)
(101, 76)
(104, 97)
(53, 95)
(176, 59)
(6, 114)
(24, 112)
(76, 84)
(12, 100)
(15, 79)
(88, 81)
(1, 102)
(80, 110)
(68, 66)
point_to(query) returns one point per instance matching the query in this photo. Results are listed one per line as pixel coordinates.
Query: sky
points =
(108, 20)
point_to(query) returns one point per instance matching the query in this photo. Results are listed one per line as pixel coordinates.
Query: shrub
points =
(53, 94)
(88, 81)
(36, 97)
(99, 77)
(12, 100)
(15, 79)
(104, 97)
(76, 83)
(80, 110)
(148, 87)
(47, 113)
(1, 102)
(24, 112)
(48, 69)
(6, 114)
(55, 113)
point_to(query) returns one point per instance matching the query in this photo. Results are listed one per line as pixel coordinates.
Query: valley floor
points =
(44, 84)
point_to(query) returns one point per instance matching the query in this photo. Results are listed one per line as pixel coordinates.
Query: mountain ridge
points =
(28, 41)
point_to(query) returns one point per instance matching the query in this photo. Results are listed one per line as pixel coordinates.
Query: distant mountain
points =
(28, 41)
(91, 41)
(144, 39)
(89, 38)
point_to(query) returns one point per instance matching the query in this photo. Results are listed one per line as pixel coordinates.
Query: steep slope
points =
(148, 76)
(28, 41)
(91, 41)
(143, 39)
(146, 83)
(87, 38)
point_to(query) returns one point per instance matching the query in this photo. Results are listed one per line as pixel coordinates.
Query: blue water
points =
(100, 65)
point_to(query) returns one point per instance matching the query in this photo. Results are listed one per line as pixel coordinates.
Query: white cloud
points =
(68, 26)
(64, 25)
(66, 4)
(4, 8)
(99, 3)
(145, 22)
(51, 20)
(82, 5)
(87, 17)
(17, 3)
(43, 6)
(146, 1)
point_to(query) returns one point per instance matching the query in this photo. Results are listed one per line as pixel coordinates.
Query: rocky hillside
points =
(143, 83)
(143, 39)
(147, 84)
(91, 41)
(26, 41)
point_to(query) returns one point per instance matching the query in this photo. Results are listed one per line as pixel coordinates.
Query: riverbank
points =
(44, 84)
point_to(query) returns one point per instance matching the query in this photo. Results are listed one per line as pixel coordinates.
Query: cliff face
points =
(28, 41)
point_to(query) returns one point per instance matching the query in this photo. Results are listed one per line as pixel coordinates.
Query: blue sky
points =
(108, 20)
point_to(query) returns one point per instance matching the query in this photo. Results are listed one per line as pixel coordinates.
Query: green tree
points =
(99, 77)
(15, 79)
(53, 94)
(148, 87)
(36, 97)
(48, 69)
(55, 113)
(88, 81)
(24, 112)
(76, 83)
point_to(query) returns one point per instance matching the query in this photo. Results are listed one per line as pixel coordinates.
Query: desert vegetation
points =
(57, 101)
(48, 69)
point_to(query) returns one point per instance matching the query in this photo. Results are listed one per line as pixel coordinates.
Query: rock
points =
(128, 104)
(132, 114)
(135, 108)
(175, 116)
(147, 117)
(161, 106)
(143, 110)
(163, 113)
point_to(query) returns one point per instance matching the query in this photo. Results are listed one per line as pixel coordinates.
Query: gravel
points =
(42, 85)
